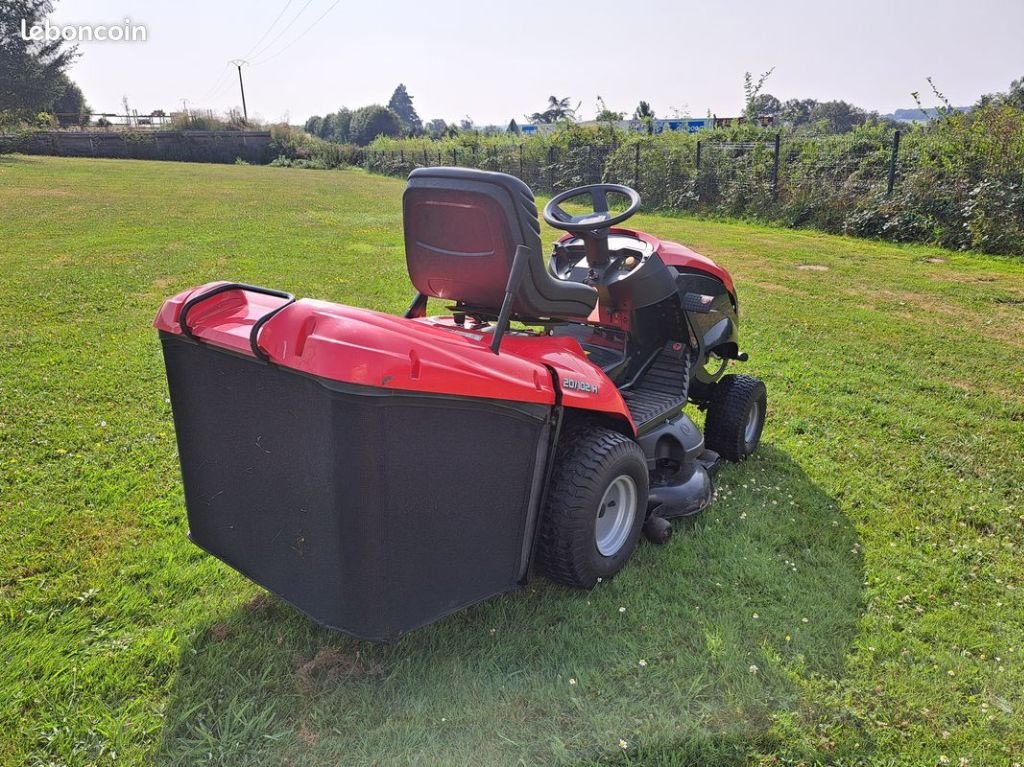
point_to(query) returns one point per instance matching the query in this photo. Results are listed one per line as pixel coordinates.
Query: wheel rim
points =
(753, 424)
(615, 515)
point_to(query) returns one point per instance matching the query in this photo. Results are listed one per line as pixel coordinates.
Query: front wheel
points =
(596, 506)
(736, 413)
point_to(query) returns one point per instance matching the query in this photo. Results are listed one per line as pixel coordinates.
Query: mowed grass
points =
(853, 597)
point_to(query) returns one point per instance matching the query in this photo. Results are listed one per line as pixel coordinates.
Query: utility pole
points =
(238, 63)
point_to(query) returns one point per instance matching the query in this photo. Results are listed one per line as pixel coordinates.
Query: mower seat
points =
(462, 228)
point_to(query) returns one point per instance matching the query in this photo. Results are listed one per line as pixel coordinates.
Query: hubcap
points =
(753, 422)
(615, 515)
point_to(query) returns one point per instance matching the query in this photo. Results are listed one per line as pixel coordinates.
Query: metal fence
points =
(681, 174)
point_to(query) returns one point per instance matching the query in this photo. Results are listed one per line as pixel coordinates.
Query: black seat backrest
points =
(462, 228)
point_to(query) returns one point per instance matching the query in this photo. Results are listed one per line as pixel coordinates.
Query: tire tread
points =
(566, 537)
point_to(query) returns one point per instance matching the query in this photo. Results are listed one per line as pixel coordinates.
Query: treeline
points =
(361, 126)
(957, 182)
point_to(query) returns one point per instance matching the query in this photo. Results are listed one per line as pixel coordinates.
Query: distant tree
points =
(313, 124)
(371, 121)
(643, 111)
(513, 127)
(751, 92)
(838, 116)
(645, 114)
(31, 72)
(333, 126)
(1013, 97)
(606, 115)
(401, 105)
(559, 110)
(342, 128)
(466, 124)
(767, 104)
(797, 112)
(70, 107)
(326, 129)
(436, 128)
(610, 116)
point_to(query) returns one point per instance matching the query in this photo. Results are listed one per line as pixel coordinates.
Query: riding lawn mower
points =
(380, 472)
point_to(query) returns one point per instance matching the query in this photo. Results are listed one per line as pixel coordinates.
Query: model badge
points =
(577, 385)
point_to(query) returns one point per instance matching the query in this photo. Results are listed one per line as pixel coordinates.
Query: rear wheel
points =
(595, 509)
(736, 411)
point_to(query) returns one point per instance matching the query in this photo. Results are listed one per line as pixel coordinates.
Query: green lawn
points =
(853, 597)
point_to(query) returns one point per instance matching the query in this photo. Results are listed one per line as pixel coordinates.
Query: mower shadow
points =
(765, 586)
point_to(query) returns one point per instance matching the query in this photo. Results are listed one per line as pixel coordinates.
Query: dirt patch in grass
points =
(47, 192)
(963, 278)
(219, 632)
(812, 267)
(258, 604)
(927, 303)
(331, 665)
(771, 287)
(984, 385)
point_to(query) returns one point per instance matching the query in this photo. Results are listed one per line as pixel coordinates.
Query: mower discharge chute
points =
(380, 472)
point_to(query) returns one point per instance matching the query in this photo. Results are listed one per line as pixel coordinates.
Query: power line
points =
(219, 83)
(272, 25)
(224, 78)
(280, 34)
(301, 35)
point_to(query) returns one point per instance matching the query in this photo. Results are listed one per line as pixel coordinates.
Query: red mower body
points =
(380, 472)
(429, 355)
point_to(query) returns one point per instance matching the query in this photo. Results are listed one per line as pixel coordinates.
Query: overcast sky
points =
(497, 60)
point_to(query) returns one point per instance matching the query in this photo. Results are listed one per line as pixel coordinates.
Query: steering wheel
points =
(593, 227)
(601, 218)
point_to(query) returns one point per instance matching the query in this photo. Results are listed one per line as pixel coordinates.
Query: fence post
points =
(551, 169)
(426, 160)
(401, 155)
(455, 156)
(698, 155)
(775, 167)
(892, 163)
(636, 166)
(521, 174)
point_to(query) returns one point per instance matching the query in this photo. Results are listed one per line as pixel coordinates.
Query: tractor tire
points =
(596, 505)
(735, 420)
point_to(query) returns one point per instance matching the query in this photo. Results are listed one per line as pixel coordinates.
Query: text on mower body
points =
(576, 384)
